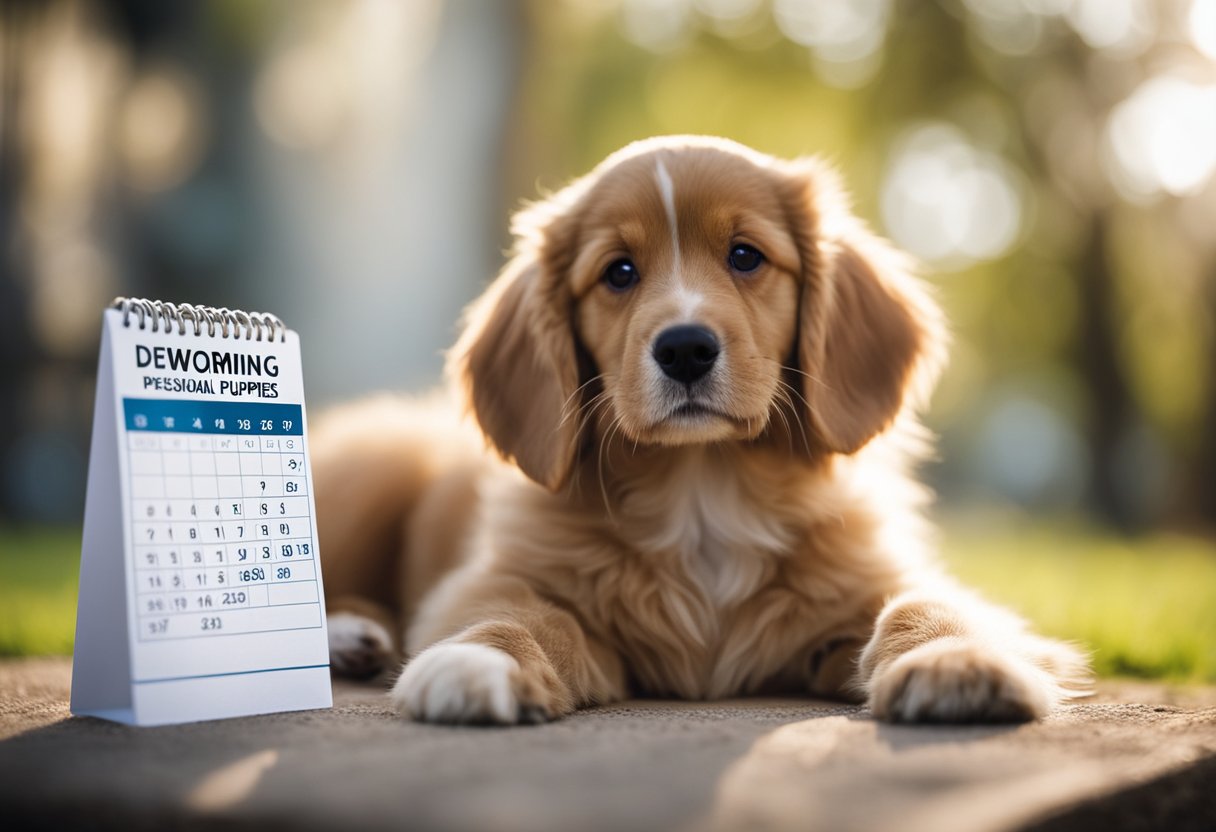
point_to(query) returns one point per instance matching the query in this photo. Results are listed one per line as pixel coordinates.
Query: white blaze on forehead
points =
(689, 300)
(668, 192)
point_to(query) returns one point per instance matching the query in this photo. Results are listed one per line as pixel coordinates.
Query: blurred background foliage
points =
(351, 166)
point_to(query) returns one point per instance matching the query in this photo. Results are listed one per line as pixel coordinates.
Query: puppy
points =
(700, 374)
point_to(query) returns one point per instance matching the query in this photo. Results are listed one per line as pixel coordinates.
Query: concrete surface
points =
(1137, 757)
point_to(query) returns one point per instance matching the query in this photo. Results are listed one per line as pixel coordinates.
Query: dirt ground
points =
(1137, 756)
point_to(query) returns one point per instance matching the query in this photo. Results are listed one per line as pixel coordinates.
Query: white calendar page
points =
(224, 604)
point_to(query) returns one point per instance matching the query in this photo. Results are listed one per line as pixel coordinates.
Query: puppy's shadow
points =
(901, 738)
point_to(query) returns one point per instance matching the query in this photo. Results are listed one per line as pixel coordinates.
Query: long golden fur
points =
(752, 530)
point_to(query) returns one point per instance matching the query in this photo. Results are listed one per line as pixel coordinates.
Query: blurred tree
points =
(98, 121)
(17, 348)
(1202, 471)
(1111, 411)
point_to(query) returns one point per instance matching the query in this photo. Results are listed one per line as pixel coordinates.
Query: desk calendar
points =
(200, 587)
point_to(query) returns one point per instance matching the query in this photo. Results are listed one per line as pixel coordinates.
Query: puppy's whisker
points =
(599, 402)
(566, 410)
(794, 370)
(788, 389)
(791, 393)
(618, 431)
(795, 391)
(785, 400)
(587, 415)
(789, 430)
(599, 465)
(604, 441)
(812, 377)
(785, 384)
(589, 410)
(605, 447)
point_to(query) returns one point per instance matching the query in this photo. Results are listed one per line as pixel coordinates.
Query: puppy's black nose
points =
(685, 353)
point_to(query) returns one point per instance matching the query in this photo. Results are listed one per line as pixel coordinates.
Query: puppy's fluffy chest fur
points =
(711, 572)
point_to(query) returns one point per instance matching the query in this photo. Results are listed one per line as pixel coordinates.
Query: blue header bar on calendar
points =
(248, 418)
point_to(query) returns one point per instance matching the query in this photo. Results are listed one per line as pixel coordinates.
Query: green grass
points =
(38, 576)
(1145, 607)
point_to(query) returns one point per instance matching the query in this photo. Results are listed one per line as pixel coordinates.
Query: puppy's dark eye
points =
(621, 275)
(744, 258)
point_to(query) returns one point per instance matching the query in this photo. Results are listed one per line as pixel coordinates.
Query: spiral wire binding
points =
(152, 313)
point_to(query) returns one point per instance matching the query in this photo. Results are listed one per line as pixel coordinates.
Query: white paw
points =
(460, 683)
(949, 681)
(358, 646)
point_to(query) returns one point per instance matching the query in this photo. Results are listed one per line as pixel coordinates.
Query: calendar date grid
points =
(223, 537)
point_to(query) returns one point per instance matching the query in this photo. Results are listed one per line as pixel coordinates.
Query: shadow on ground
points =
(754, 764)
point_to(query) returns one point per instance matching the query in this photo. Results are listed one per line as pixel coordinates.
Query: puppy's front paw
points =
(958, 681)
(467, 683)
(358, 646)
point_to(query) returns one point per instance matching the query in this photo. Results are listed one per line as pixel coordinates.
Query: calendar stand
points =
(200, 586)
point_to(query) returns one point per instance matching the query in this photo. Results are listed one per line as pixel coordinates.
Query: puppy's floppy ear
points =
(870, 338)
(516, 361)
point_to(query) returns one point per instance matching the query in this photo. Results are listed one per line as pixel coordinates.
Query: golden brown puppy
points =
(702, 373)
